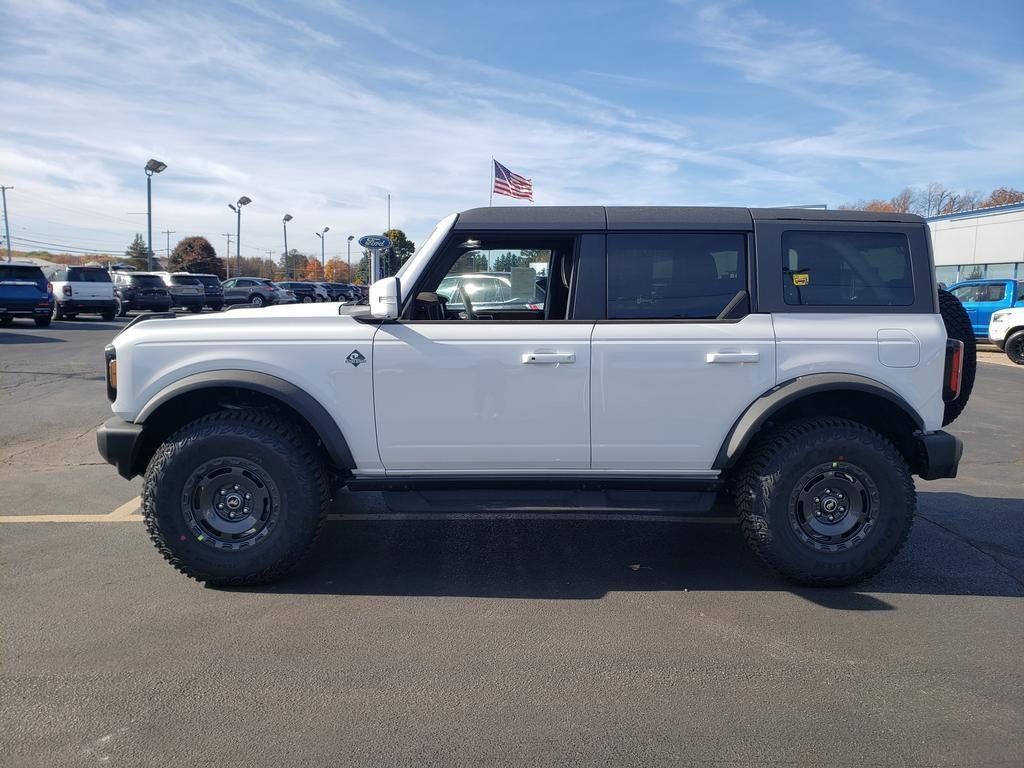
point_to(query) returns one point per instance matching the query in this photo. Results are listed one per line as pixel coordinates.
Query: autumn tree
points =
(1003, 196)
(196, 254)
(313, 272)
(293, 264)
(337, 271)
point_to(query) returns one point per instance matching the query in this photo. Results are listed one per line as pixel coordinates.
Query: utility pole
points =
(227, 260)
(7, 227)
(169, 232)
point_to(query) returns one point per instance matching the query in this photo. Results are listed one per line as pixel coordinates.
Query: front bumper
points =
(118, 443)
(938, 455)
(1001, 343)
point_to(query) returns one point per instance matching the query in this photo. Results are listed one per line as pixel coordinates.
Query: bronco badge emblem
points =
(355, 358)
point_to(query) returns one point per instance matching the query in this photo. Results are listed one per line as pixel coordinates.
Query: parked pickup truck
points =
(983, 298)
(24, 292)
(801, 364)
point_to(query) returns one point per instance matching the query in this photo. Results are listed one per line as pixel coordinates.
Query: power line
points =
(7, 227)
(169, 232)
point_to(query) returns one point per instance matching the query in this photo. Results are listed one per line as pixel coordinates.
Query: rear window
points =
(88, 275)
(16, 272)
(184, 280)
(674, 276)
(209, 280)
(982, 292)
(847, 269)
(146, 281)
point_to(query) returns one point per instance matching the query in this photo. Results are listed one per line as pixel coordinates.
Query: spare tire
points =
(958, 326)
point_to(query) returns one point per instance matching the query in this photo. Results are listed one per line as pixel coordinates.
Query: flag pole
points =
(490, 201)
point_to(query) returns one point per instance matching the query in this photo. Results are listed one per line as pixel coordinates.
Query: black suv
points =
(140, 290)
(214, 291)
(24, 292)
(304, 292)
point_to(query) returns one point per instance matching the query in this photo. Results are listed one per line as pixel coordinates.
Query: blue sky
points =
(320, 108)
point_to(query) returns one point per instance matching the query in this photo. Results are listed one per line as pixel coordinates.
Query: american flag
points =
(511, 184)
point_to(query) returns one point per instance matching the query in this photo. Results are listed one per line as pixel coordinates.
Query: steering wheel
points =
(467, 305)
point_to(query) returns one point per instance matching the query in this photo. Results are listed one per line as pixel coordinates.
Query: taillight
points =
(66, 290)
(110, 360)
(954, 371)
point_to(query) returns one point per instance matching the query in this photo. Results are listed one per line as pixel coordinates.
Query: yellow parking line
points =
(126, 513)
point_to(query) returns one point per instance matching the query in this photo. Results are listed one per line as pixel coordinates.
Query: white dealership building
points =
(988, 242)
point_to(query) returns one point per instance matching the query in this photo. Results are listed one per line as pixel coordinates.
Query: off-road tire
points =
(1014, 347)
(281, 451)
(958, 326)
(766, 482)
(42, 322)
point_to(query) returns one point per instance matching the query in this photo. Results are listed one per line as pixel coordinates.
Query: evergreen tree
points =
(136, 253)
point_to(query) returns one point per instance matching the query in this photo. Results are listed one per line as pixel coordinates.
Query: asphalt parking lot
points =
(537, 637)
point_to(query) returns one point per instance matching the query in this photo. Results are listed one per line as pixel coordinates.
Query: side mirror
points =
(386, 298)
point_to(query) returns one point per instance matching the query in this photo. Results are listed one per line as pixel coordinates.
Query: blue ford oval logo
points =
(375, 241)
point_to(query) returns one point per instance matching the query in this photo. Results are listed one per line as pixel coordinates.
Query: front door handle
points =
(539, 358)
(732, 357)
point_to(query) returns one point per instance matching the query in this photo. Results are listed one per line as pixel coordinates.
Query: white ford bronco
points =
(799, 362)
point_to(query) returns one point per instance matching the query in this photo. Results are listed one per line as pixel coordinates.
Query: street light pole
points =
(323, 263)
(284, 223)
(153, 166)
(350, 239)
(7, 227)
(243, 200)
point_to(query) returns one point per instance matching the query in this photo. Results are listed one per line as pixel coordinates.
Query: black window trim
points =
(748, 242)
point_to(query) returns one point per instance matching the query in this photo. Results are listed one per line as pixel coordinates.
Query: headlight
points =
(110, 358)
(998, 316)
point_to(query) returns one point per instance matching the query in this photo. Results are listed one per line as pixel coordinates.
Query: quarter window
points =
(847, 269)
(674, 276)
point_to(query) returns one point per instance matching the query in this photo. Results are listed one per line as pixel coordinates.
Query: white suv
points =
(795, 361)
(1006, 331)
(81, 290)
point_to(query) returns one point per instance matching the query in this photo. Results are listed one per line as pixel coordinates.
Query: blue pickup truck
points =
(983, 297)
(24, 292)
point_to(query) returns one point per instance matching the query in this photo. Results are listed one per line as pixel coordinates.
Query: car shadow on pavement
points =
(16, 337)
(544, 557)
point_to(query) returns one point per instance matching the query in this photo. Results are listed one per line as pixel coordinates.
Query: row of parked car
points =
(59, 292)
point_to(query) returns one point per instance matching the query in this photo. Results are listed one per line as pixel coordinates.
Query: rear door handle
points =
(539, 358)
(732, 357)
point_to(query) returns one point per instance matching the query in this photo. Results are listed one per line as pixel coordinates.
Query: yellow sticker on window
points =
(801, 278)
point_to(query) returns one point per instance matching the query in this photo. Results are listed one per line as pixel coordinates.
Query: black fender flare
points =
(294, 397)
(788, 392)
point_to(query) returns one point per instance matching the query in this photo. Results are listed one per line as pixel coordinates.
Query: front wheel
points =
(825, 502)
(235, 498)
(1014, 347)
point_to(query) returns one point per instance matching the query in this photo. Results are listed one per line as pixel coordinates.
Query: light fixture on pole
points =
(243, 200)
(287, 262)
(323, 263)
(153, 166)
(350, 239)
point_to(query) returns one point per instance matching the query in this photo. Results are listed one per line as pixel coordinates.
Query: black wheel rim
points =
(1015, 349)
(834, 506)
(230, 503)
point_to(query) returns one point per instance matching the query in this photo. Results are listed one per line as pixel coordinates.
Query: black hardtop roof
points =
(598, 217)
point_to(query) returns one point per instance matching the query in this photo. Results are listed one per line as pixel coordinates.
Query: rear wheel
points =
(122, 309)
(958, 326)
(42, 322)
(196, 310)
(825, 502)
(6, 320)
(108, 314)
(256, 300)
(1014, 347)
(57, 313)
(235, 498)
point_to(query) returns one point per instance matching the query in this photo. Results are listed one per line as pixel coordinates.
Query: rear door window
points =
(685, 276)
(87, 275)
(847, 269)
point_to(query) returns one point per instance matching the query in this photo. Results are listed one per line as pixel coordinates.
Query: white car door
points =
(508, 391)
(669, 379)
